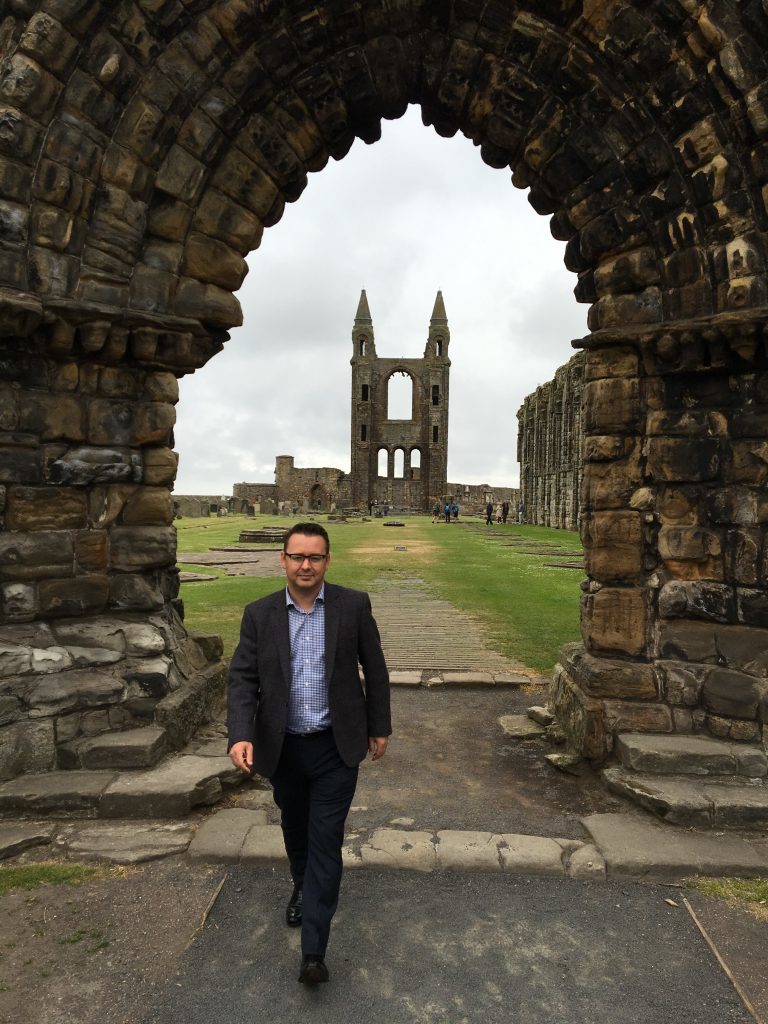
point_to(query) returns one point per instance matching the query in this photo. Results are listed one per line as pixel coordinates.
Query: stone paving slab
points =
(461, 851)
(467, 678)
(531, 855)
(404, 678)
(688, 800)
(220, 838)
(520, 727)
(75, 793)
(16, 837)
(690, 755)
(396, 848)
(170, 791)
(132, 748)
(131, 843)
(264, 844)
(637, 847)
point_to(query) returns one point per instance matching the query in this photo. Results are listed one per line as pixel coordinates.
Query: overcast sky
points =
(405, 217)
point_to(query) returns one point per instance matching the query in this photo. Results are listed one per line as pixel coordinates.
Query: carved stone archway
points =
(147, 144)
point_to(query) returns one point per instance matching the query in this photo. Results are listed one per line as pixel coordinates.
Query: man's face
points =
(305, 577)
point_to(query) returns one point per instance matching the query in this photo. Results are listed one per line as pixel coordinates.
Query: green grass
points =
(751, 893)
(529, 610)
(32, 876)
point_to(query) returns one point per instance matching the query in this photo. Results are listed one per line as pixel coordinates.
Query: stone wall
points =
(550, 448)
(473, 498)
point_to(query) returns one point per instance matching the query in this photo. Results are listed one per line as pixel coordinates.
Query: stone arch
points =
(148, 147)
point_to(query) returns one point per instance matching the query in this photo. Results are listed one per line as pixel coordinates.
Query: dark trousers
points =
(314, 788)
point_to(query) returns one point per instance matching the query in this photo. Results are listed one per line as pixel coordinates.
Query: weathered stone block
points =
(675, 459)
(752, 607)
(607, 485)
(19, 601)
(678, 505)
(690, 641)
(36, 555)
(208, 303)
(142, 547)
(129, 592)
(735, 694)
(160, 465)
(20, 465)
(614, 545)
(742, 554)
(129, 423)
(207, 259)
(149, 678)
(694, 599)
(606, 447)
(82, 595)
(149, 506)
(688, 544)
(612, 406)
(161, 387)
(91, 551)
(222, 218)
(614, 621)
(26, 747)
(77, 689)
(626, 716)
(52, 417)
(579, 716)
(46, 508)
(609, 677)
(82, 467)
(180, 175)
(680, 682)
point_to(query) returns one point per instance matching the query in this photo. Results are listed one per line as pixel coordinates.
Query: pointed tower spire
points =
(439, 315)
(362, 330)
(439, 334)
(363, 314)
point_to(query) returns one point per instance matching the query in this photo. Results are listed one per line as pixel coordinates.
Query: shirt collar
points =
(290, 603)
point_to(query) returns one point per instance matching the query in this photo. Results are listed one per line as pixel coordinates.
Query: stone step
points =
(690, 755)
(724, 801)
(170, 790)
(134, 748)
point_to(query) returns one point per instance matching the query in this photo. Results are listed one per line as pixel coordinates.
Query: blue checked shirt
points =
(308, 709)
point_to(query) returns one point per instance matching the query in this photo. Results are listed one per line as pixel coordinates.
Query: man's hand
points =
(377, 745)
(241, 756)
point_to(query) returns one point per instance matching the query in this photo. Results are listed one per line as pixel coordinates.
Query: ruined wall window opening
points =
(399, 467)
(382, 462)
(435, 435)
(363, 432)
(361, 350)
(415, 463)
(435, 394)
(400, 396)
(365, 392)
(439, 346)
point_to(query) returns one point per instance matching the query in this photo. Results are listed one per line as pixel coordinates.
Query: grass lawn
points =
(529, 609)
(32, 876)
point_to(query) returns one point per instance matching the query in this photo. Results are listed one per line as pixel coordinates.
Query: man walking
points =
(297, 714)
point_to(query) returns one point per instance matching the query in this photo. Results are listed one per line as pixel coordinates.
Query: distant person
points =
(489, 514)
(436, 512)
(455, 512)
(447, 512)
(504, 511)
(521, 512)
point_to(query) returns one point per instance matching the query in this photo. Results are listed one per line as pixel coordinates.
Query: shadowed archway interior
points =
(146, 147)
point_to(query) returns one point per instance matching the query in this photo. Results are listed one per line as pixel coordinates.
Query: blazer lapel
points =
(282, 636)
(332, 618)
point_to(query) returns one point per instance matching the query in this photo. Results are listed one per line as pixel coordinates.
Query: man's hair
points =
(309, 530)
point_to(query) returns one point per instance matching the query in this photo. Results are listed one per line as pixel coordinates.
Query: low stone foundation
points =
(67, 679)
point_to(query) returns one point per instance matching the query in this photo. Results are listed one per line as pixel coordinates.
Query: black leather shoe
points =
(313, 970)
(293, 910)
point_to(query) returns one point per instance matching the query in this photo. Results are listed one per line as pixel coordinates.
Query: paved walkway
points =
(421, 632)
(460, 949)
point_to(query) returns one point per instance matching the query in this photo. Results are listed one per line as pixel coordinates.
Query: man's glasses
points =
(298, 559)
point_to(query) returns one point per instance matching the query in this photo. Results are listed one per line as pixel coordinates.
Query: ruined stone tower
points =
(416, 467)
